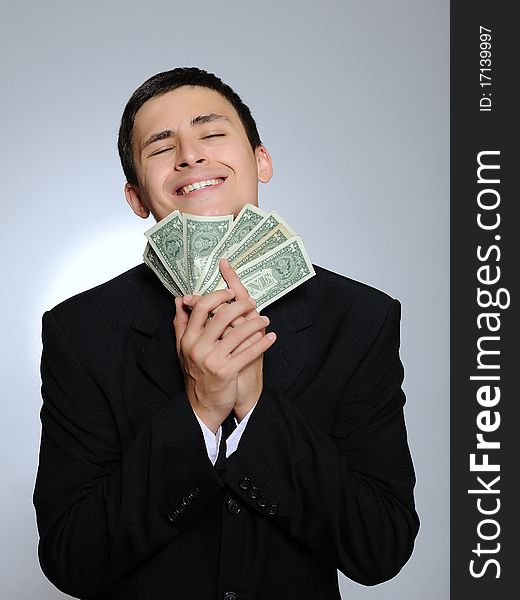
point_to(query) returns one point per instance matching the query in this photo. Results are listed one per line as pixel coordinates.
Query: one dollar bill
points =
(272, 276)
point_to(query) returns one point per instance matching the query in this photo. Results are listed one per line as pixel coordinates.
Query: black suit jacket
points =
(130, 507)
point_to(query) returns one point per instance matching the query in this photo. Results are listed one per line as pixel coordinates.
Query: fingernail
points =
(265, 319)
(271, 336)
(187, 298)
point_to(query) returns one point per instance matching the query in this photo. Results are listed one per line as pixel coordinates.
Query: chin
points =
(209, 208)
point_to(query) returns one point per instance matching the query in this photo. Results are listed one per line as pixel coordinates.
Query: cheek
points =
(237, 156)
(154, 176)
(246, 164)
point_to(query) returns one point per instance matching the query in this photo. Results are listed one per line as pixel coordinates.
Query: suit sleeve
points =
(101, 513)
(349, 495)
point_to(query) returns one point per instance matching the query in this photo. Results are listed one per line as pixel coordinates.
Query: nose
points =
(190, 153)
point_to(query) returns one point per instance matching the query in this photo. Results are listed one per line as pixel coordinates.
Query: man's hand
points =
(220, 346)
(250, 380)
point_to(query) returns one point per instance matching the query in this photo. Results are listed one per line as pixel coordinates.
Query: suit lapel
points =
(287, 358)
(159, 360)
(153, 345)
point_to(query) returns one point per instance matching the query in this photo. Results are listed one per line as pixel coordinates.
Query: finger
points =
(241, 333)
(180, 320)
(229, 328)
(247, 356)
(250, 315)
(206, 339)
(236, 322)
(194, 299)
(249, 342)
(190, 299)
(203, 306)
(232, 279)
(215, 328)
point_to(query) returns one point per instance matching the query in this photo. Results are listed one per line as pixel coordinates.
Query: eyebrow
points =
(167, 133)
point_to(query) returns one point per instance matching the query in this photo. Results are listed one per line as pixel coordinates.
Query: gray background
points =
(351, 98)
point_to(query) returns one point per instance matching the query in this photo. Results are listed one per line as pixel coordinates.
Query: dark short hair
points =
(166, 82)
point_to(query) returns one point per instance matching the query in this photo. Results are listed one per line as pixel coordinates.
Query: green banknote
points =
(264, 228)
(152, 260)
(270, 277)
(201, 235)
(246, 220)
(167, 240)
(273, 239)
(269, 233)
(268, 256)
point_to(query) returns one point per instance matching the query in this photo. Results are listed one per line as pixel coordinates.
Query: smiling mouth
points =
(198, 185)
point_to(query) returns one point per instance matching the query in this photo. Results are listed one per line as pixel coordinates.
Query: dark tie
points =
(228, 426)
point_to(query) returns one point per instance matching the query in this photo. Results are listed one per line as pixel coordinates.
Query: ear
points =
(135, 201)
(264, 164)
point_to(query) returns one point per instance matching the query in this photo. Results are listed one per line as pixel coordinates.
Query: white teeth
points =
(198, 185)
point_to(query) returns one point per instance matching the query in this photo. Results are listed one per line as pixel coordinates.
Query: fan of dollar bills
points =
(268, 256)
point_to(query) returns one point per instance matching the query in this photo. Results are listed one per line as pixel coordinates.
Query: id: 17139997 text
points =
(485, 69)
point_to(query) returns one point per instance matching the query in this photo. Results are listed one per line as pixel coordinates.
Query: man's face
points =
(192, 154)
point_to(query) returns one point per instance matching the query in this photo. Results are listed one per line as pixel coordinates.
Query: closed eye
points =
(161, 150)
(213, 135)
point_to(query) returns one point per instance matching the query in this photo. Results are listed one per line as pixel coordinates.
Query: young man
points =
(317, 475)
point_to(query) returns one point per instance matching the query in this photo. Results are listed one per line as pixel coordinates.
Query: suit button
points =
(253, 492)
(194, 492)
(187, 500)
(233, 506)
(245, 483)
(262, 502)
(272, 509)
(230, 596)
